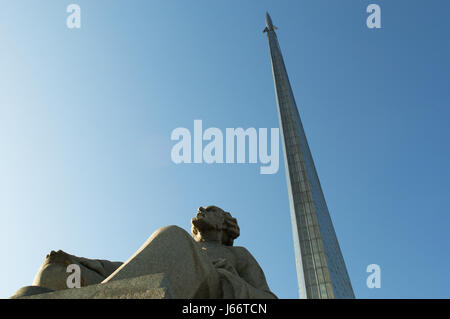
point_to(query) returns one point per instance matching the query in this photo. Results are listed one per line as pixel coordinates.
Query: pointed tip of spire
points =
(269, 24)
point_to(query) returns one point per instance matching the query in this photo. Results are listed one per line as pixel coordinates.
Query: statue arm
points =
(250, 271)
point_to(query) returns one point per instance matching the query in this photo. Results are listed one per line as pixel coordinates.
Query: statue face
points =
(208, 218)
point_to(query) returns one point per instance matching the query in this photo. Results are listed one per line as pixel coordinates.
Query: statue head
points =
(212, 219)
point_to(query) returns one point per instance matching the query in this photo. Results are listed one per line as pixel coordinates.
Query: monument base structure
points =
(170, 264)
(154, 286)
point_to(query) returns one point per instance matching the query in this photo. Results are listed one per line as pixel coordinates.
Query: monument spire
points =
(321, 270)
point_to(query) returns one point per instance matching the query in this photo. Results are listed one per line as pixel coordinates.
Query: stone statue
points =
(204, 265)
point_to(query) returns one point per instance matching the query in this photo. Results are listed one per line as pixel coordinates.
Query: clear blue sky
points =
(86, 117)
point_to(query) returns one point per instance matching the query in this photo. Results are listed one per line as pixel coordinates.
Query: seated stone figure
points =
(206, 265)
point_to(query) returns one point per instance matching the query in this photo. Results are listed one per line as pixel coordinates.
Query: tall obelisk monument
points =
(321, 270)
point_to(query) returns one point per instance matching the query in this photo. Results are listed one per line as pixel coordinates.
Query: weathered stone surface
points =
(30, 290)
(154, 286)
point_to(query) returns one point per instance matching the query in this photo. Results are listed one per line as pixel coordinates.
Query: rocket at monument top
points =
(269, 24)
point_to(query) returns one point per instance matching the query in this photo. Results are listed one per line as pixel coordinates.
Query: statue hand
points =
(94, 265)
(222, 263)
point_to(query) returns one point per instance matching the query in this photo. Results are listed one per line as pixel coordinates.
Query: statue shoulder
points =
(239, 249)
(243, 253)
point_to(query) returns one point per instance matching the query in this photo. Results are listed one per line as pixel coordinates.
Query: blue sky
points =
(86, 117)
